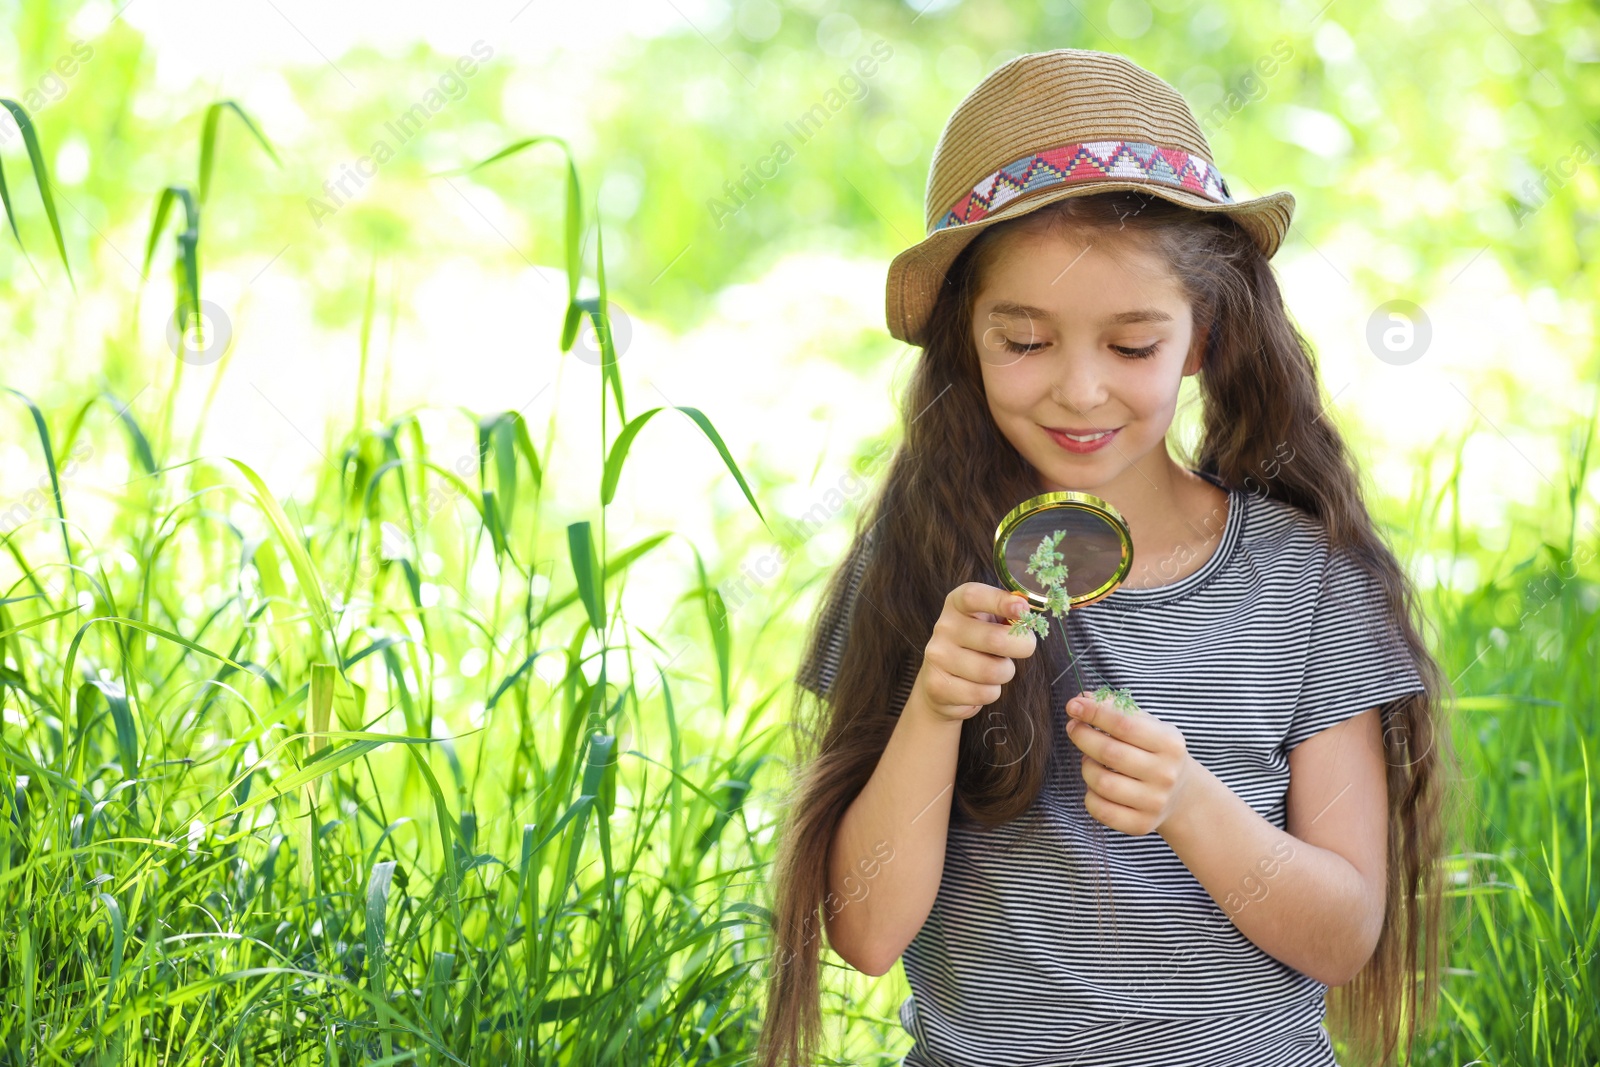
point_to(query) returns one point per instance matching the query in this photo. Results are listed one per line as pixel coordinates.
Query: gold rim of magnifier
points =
(1072, 498)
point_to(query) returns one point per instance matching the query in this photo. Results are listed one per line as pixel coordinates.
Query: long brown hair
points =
(950, 481)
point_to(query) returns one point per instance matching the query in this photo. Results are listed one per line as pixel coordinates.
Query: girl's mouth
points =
(1077, 442)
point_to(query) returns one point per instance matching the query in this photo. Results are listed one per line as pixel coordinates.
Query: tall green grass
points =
(1524, 980)
(255, 811)
(284, 783)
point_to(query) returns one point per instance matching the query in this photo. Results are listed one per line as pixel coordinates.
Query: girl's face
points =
(1083, 335)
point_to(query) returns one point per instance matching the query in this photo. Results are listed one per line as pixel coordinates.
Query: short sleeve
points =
(1356, 658)
(819, 668)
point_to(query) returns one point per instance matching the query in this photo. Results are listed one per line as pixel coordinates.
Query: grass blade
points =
(619, 455)
(50, 465)
(208, 140)
(310, 584)
(580, 544)
(41, 179)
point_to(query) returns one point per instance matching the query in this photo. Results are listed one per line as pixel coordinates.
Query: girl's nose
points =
(1078, 387)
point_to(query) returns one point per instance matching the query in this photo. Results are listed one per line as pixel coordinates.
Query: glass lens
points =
(1091, 548)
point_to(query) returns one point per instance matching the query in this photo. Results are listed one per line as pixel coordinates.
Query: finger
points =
(1111, 814)
(1141, 731)
(986, 630)
(1117, 754)
(1118, 788)
(975, 597)
(993, 638)
(980, 667)
(956, 691)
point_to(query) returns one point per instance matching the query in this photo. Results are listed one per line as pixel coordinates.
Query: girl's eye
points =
(1132, 353)
(1016, 346)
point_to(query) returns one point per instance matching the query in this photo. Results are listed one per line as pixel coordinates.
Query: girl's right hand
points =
(971, 653)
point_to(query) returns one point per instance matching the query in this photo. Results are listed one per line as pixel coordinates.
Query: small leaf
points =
(377, 903)
(208, 140)
(585, 568)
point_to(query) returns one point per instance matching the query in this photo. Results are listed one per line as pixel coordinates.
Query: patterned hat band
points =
(1089, 161)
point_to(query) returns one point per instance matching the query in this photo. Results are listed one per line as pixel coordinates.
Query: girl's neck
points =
(1176, 517)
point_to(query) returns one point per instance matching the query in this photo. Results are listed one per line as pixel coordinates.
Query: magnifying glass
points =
(1091, 538)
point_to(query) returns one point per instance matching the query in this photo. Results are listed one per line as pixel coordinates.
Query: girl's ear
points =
(1197, 349)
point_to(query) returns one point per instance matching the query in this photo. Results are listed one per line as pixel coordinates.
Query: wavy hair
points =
(951, 479)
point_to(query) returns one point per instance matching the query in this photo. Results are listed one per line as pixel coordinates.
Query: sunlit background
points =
(1444, 158)
(1437, 156)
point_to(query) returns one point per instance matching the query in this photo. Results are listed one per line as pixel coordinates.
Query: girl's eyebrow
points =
(1121, 318)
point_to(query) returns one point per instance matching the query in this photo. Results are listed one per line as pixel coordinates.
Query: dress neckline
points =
(1192, 581)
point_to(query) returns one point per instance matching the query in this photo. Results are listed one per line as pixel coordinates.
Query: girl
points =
(1269, 827)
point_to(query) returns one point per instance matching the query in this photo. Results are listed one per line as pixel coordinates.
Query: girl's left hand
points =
(1136, 767)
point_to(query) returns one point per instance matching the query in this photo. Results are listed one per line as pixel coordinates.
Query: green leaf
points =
(323, 676)
(141, 445)
(188, 302)
(444, 472)
(716, 611)
(600, 316)
(619, 454)
(601, 772)
(327, 759)
(50, 464)
(122, 718)
(208, 140)
(505, 461)
(41, 179)
(492, 519)
(77, 639)
(573, 229)
(615, 565)
(118, 939)
(512, 678)
(41, 620)
(585, 568)
(449, 835)
(378, 883)
(265, 559)
(310, 584)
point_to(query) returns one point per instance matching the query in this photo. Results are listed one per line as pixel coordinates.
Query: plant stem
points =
(1067, 643)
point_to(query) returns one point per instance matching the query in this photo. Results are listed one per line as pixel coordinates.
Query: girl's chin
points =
(1060, 472)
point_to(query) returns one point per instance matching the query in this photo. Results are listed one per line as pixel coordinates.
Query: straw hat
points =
(1050, 125)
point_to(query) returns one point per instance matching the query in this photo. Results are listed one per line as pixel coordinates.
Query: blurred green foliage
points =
(1422, 142)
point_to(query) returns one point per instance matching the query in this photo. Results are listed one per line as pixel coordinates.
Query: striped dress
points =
(1273, 639)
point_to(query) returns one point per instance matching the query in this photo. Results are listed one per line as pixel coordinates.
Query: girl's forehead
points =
(1055, 259)
(1026, 251)
(1108, 290)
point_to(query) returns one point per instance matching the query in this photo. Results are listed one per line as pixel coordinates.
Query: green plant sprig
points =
(1047, 565)
(1122, 698)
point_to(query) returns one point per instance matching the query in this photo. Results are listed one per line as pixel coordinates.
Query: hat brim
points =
(916, 274)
